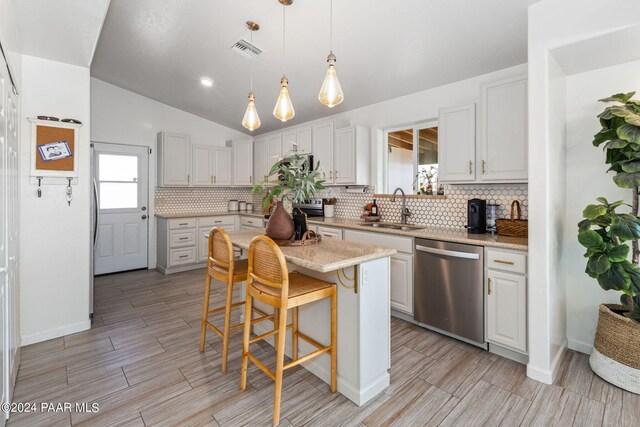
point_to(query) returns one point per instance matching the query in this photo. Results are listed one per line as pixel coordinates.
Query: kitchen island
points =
(362, 276)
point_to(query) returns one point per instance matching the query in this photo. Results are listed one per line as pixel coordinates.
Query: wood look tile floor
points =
(140, 362)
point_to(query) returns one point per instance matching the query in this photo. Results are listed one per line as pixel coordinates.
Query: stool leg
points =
(227, 326)
(276, 316)
(282, 335)
(294, 333)
(334, 353)
(205, 312)
(245, 343)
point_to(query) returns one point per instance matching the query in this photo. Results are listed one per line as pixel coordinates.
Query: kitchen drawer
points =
(214, 221)
(182, 223)
(251, 221)
(330, 232)
(400, 244)
(514, 262)
(182, 256)
(179, 238)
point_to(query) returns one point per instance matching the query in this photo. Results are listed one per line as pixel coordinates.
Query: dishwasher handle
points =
(445, 252)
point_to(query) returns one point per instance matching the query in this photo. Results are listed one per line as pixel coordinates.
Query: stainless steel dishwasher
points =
(448, 290)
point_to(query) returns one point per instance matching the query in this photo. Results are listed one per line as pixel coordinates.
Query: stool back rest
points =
(220, 251)
(267, 265)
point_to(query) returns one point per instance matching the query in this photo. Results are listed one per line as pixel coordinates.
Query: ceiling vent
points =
(246, 49)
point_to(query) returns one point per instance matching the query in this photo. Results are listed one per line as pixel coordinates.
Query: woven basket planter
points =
(616, 353)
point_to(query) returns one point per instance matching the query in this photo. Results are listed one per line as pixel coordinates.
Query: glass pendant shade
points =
(251, 120)
(283, 110)
(331, 93)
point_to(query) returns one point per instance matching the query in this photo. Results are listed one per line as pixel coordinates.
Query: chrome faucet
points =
(405, 212)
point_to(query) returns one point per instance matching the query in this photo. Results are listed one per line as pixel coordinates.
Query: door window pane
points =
(113, 167)
(118, 195)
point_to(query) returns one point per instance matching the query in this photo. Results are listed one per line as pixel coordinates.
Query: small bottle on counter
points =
(374, 208)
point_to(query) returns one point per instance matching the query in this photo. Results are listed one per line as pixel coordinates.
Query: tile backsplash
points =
(449, 212)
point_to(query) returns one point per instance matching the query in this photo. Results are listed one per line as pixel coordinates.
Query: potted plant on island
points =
(606, 234)
(295, 183)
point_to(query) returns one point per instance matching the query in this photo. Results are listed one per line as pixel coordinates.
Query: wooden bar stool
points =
(222, 266)
(270, 282)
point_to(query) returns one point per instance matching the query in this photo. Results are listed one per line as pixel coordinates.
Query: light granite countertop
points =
(455, 235)
(328, 255)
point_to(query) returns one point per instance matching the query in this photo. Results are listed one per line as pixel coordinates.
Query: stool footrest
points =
(262, 366)
(303, 359)
(267, 334)
(311, 341)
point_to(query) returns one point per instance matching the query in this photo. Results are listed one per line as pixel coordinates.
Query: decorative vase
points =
(280, 225)
(616, 349)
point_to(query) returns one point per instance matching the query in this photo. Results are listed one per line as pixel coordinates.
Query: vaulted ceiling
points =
(385, 49)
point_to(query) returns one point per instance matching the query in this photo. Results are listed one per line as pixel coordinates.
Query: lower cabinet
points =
(183, 243)
(329, 232)
(506, 299)
(401, 265)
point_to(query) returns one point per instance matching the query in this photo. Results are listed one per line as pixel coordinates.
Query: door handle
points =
(470, 165)
(144, 217)
(483, 166)
(445, 252)
(144, 208)
(489, 286)
(96, 200)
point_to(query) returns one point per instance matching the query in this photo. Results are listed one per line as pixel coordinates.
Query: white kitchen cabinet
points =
(329, 232)
(221, 159)
(251, 223)
(506, 300)
(260, 159)
(351, 156)
(204, 228)
(174, 160)
(503, 131)
(297, 140)
(274, 150)
(202, 165)
(401, 265)
(323, 149)
(242, 170)
(457, 144)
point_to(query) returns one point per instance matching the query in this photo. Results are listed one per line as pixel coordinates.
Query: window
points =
(118, 181)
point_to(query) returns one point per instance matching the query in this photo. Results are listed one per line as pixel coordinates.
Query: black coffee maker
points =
(477, 216)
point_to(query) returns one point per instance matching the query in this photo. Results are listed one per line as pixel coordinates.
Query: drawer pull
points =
(217, 222)
(183, 238)
(184, 223)
(499, 261)
(183, 256)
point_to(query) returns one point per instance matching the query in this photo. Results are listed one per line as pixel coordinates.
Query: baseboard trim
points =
(55, 333)
(547, 375)
(582, 347)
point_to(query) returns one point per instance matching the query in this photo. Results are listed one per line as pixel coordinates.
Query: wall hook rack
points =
(69, 191)
(39, 178)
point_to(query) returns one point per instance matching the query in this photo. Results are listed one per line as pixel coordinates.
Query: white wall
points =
(549, 29)
(55, 241)
(10, 39)
(586, 180)
(123, 117)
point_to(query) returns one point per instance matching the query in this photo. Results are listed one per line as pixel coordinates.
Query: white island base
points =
(364, 329)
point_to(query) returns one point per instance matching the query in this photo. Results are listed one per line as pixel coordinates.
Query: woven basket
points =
(514, 227)
(616, 353)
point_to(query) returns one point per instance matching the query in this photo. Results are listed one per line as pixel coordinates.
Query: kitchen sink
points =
(401, 227)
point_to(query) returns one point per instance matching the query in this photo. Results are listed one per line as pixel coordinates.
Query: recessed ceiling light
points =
(206, 81)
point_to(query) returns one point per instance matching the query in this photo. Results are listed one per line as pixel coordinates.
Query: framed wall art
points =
(54, 149)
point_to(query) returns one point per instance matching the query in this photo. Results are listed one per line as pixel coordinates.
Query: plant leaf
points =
(631, 166)
(627, 179)
(615, 278)
(594, 211)
(619, 97)
(604, 135)
(591, 240)
(634, 274)
(629, 133)
(599, 263)
(619, 253)
(626, 227)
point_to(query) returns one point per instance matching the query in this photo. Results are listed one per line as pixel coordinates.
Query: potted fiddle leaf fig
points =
(295, 182)
(611, 239)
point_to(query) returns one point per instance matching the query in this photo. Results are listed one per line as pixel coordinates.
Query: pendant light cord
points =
(331, 26)
(284, 26)
(251, 60)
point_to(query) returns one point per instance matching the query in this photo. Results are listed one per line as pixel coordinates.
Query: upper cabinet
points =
(202, 165)
(499, 154)
(174, 160)
(323, 149)
(503, 131)
(297, 140)
(242, 162)
(221, 166)
(457, 144)
(352, 156)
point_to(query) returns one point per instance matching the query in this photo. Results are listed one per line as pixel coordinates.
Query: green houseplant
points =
(295, 182)
(610, 237)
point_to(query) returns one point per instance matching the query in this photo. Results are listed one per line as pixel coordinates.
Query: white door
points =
(202, 166)
(504, 134)
(121, 174)
(507, 310)
(323, 149)
(344, 159)
(457, 144)
(221, 166)
(402, 282)
(4, 227)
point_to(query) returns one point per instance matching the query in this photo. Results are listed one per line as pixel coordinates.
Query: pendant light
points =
(251, 120)
(331, 93)
(283, 110)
